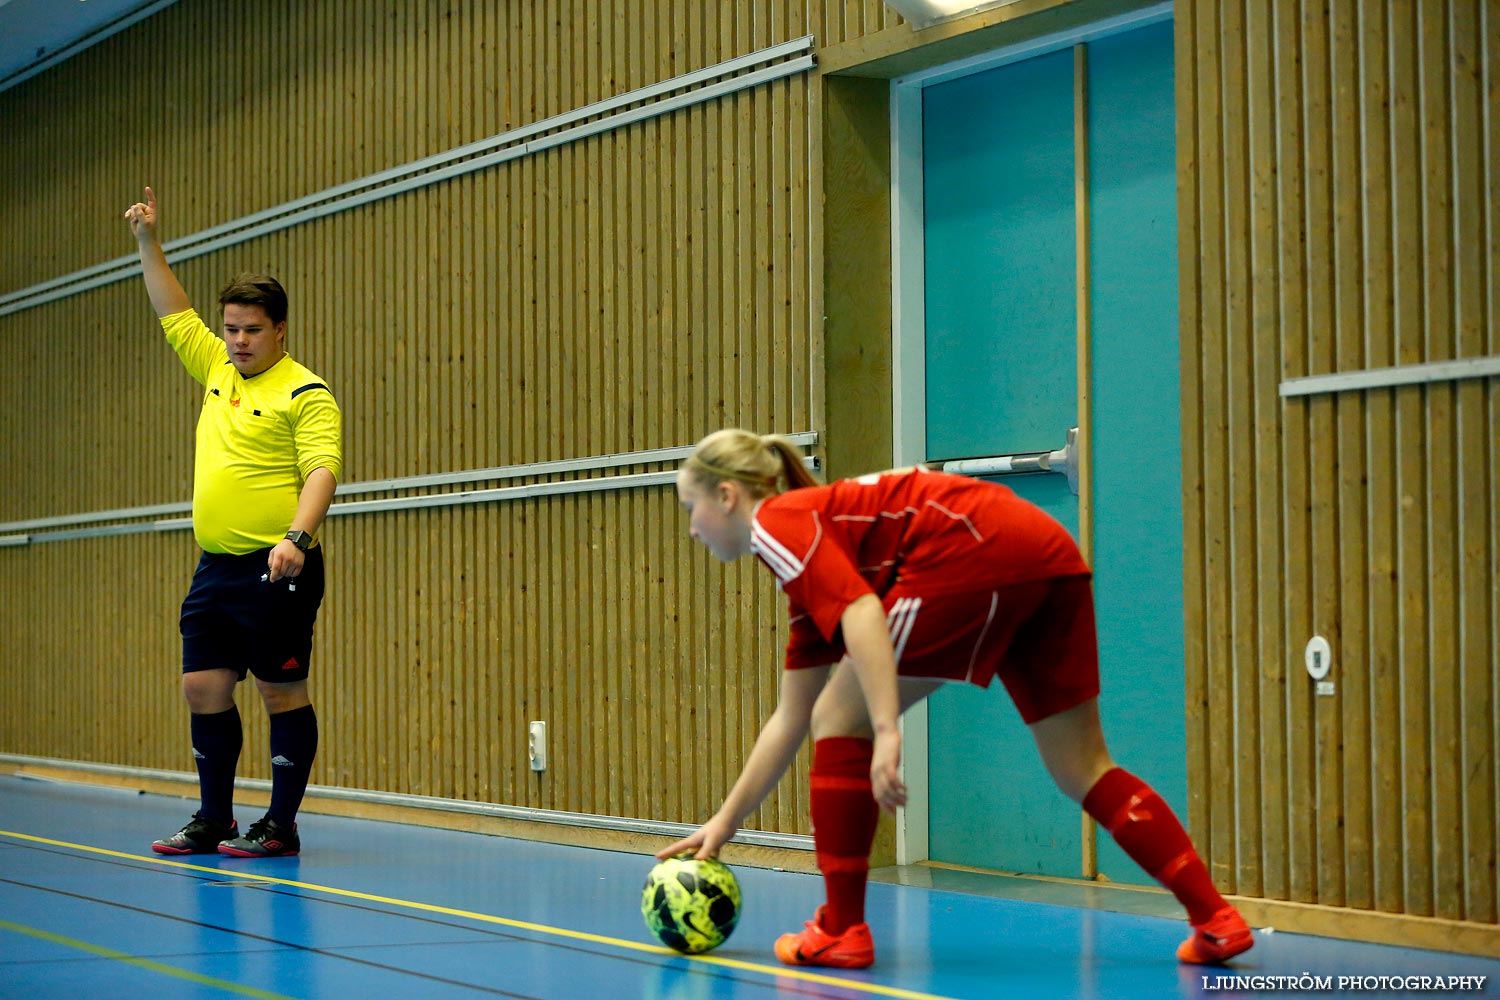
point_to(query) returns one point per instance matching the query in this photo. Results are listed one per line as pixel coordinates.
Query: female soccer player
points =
(897, 582)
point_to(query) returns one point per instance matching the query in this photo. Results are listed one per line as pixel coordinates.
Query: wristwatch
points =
(302, 539)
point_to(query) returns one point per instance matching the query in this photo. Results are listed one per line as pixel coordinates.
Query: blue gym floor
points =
(380, 910)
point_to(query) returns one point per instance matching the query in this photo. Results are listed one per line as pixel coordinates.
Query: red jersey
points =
(924, 533)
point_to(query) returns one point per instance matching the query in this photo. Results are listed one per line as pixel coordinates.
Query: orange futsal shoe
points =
(1224, 936)
(852, 949)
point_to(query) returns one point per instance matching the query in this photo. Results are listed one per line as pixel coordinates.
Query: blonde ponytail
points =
(761, 462)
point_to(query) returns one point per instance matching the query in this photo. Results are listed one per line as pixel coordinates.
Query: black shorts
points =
(233, 619)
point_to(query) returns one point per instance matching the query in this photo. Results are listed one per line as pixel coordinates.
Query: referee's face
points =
(252, 342)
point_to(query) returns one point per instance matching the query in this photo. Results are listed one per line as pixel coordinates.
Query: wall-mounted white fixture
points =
(536, 746)
(1319, 659)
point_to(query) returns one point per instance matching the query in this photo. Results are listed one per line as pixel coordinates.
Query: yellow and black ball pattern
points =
(691, 906)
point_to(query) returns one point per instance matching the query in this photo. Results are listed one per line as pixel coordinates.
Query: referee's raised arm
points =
(167, 295)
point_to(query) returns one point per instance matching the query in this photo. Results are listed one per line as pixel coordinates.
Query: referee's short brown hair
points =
(256, 290)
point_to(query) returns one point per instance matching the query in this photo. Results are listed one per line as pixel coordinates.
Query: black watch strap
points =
(302, 539)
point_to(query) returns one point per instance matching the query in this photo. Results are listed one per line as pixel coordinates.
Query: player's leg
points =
(1072, 746)
(953, 637)
(844, 811)
(844, 817)
(1070, 738)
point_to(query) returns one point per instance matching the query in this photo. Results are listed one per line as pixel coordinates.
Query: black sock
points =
(294, 744)
(216, 748)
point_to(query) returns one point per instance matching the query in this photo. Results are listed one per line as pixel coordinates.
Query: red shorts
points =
(1039, 638)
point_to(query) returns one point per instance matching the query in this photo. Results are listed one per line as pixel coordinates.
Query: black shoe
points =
(200, 836)
(266, 839)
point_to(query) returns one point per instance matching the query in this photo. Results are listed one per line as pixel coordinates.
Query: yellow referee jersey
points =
(258, 440)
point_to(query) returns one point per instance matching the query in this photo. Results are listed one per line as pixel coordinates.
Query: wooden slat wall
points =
(1339, 212)
(634, 290)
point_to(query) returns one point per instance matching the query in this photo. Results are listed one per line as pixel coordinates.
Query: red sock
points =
(844, 816)
(1145, 827)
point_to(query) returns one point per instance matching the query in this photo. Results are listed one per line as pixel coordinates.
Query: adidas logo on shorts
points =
(281, 761)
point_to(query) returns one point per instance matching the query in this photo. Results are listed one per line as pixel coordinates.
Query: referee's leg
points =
(294, 744)
(217, 738)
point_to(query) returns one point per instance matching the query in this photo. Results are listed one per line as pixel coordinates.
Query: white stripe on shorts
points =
(994, 603)
(901, 620)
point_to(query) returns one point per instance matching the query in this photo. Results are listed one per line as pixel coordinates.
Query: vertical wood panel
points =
(1211, 376)
(1083, 305)
(1290, 831)
(1443, 536)
(1477, 449)
(1241, 452)
(1289, 877)
(1410, 419)
(1318, 871)
(1191, 300)
(1382, 511)
(1263, 551)
(1349, 811)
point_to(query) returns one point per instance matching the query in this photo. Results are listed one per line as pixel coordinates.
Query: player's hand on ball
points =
(703, 842)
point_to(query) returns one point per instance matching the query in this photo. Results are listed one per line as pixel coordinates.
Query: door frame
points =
(908, 331)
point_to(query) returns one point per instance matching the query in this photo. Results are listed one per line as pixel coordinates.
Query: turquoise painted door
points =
(1001, 342)
(1001, 337)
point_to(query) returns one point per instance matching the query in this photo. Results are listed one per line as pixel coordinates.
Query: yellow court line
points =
(142, 963)
(776, 971)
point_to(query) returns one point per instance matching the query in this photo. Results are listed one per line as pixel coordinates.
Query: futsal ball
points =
(690, 905)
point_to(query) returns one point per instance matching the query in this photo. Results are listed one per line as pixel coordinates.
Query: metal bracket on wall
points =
(1063, 461)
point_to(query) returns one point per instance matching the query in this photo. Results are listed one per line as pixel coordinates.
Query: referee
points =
(267, 462)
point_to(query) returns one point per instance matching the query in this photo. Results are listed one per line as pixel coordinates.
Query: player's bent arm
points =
(868, 640)
(774, 750)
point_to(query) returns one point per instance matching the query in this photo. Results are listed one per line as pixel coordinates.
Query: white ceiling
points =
(33, 32)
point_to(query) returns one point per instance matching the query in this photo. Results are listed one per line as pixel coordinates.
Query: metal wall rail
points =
(591, 821)
(1379, 378)
(76, 526)
(783, 60)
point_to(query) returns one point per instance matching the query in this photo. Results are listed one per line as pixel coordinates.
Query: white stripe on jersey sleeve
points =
(783, 563)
